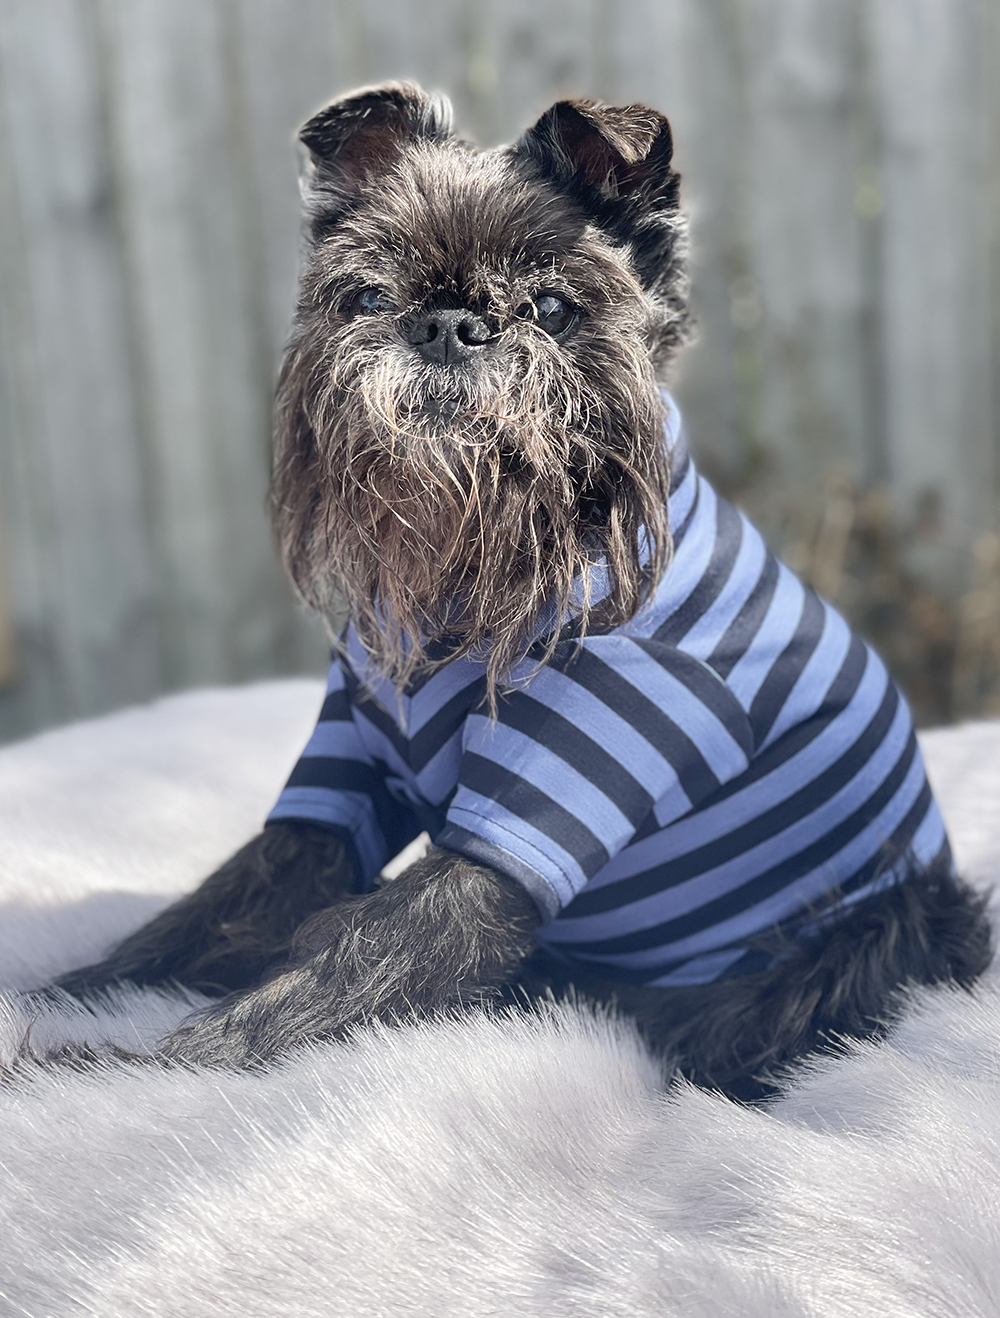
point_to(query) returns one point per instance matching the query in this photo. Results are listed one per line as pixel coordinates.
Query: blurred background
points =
(841, 163)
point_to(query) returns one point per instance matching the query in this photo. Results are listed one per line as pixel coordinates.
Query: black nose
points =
(446, 337)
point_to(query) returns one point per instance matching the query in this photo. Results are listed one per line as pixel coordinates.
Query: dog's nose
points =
(446, 337)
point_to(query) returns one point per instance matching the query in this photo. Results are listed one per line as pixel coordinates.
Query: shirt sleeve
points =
(612, 736)
(338, 784)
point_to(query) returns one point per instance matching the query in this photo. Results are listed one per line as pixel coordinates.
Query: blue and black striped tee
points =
(731, 760)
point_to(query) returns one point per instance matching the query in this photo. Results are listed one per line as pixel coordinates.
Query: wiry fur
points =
(463, 510)
(480, 506)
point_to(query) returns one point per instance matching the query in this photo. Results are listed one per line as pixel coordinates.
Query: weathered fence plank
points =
(74, 508)
(932, 68)
(205, 367)
(686, 59)
(267, 110)
(804, 235)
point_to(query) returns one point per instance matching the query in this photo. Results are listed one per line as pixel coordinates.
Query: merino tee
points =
(731, 760)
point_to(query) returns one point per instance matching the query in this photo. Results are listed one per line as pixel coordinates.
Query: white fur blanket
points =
(480, 1168)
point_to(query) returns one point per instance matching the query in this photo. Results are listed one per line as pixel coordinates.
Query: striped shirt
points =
(731, 760)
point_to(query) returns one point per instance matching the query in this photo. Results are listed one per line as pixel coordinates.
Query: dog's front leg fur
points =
(227, 933)
(447, 932)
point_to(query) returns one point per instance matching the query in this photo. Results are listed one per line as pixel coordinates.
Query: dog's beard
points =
(463, 512)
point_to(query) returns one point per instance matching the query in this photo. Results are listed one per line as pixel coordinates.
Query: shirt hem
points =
(456, 838)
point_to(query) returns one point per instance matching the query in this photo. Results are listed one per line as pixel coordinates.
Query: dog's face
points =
(467, 419)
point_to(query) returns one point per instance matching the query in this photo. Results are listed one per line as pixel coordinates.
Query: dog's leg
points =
(446, 933)
(739, 1035)
(227, 933)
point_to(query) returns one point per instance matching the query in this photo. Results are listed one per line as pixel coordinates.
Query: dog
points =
(658, 772)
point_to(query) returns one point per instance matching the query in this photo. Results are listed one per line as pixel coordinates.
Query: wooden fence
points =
(841, 167)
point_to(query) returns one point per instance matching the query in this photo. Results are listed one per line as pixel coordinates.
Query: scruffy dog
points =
(657, 770)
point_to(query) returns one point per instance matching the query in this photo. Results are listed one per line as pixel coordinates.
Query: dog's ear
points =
(357, 137)
(615, 161)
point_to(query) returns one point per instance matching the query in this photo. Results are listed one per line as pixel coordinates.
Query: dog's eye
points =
(369, 302)
(550, 312)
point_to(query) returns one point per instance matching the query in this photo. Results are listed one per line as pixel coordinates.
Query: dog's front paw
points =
(216, 1039)
(445, 935)
(251, 1029)
(69, 1055)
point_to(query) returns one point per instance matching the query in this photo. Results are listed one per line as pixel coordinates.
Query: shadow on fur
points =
(239, 924)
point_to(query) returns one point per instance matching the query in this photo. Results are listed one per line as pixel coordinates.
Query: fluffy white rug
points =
(481, 1168)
